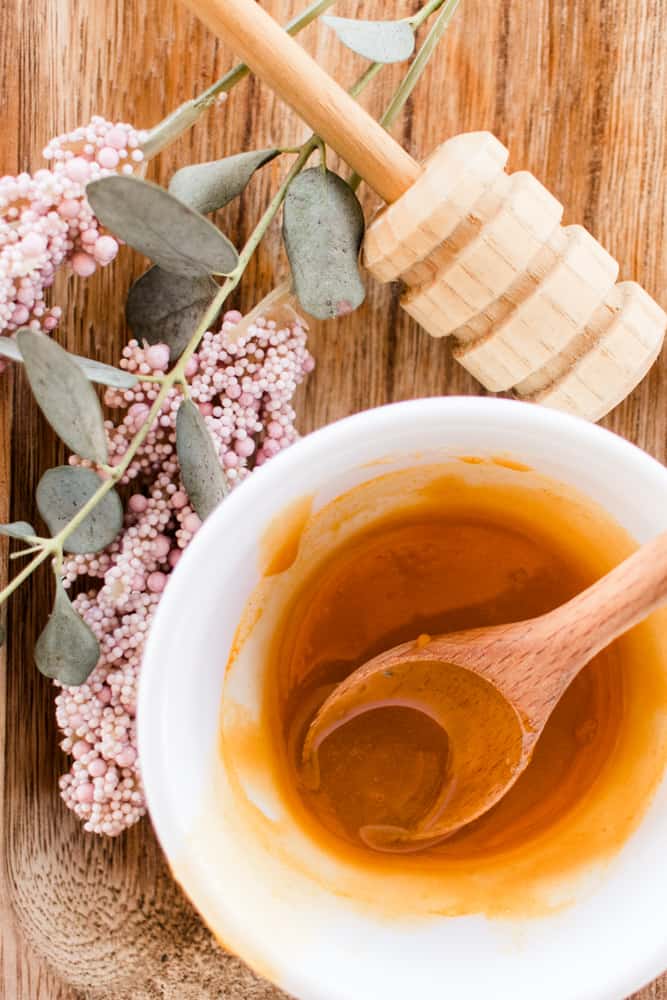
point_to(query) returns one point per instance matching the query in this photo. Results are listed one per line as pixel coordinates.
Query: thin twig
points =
(423, 15)
(24, 574)
(419, 63)
(185, 116)
(26, 552)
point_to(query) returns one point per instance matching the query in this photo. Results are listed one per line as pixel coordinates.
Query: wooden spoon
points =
(491, 689)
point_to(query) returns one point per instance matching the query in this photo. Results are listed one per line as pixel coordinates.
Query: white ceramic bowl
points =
(316, 944)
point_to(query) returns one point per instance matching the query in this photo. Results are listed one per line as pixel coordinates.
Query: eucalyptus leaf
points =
(10, 349)
(206, 187)
(160, 226)
(323, 226)
(64, 394)
(201, 471)
(96, 371)
(379, 41)
(165, 308)
(62, 492)
(18, 529)
(67, 649)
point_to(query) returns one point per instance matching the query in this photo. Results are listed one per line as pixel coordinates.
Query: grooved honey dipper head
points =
(532, 307)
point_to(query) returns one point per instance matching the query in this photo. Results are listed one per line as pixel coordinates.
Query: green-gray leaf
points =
(379, 41)
(164, 308)
(323, 226)
(64, 394)
(160, 226)
(201, 472)
(62, 492)
(10, 349)
(18, 529)
(67, 649)
(206, 187)
(96, 371)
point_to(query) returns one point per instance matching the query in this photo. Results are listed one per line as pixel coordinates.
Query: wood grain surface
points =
(578, 91)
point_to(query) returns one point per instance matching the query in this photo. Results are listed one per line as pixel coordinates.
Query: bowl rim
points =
(541, 420)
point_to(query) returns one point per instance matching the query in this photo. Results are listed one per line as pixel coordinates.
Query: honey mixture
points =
(488, 544)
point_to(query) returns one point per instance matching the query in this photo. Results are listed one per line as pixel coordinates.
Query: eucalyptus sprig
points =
(195, 269)
(79, 504)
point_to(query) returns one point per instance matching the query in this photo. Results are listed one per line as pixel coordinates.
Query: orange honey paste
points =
(434, 550)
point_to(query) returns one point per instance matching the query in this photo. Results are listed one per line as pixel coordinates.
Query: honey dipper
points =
(532, 307)
(491, 689)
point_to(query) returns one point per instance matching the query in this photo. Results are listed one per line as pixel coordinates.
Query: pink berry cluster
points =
(244, 391)
(45, 219)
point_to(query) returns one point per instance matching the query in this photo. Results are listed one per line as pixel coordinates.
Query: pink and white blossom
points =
(245, 392)
(46, 221)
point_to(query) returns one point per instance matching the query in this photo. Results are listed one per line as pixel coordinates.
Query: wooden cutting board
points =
(578, 91)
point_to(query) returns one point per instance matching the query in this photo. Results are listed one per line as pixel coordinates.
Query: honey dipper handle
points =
(281, 62)
(611, 606)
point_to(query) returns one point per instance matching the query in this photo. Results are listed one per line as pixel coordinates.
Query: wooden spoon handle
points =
(281, 62)
(629, 593)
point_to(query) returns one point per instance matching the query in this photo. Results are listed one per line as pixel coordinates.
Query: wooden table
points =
(579, 93)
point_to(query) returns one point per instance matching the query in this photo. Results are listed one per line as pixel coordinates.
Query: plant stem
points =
(422, 15)
(419, 63)
(26, 552)
(274, 205)
(315, 142)
(365, 79)
(417, 66)
(24, 574)
(185, 116)
(238, 73)
(311, 144)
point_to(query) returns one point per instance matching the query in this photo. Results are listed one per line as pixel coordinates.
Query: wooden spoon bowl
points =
(492, 690)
